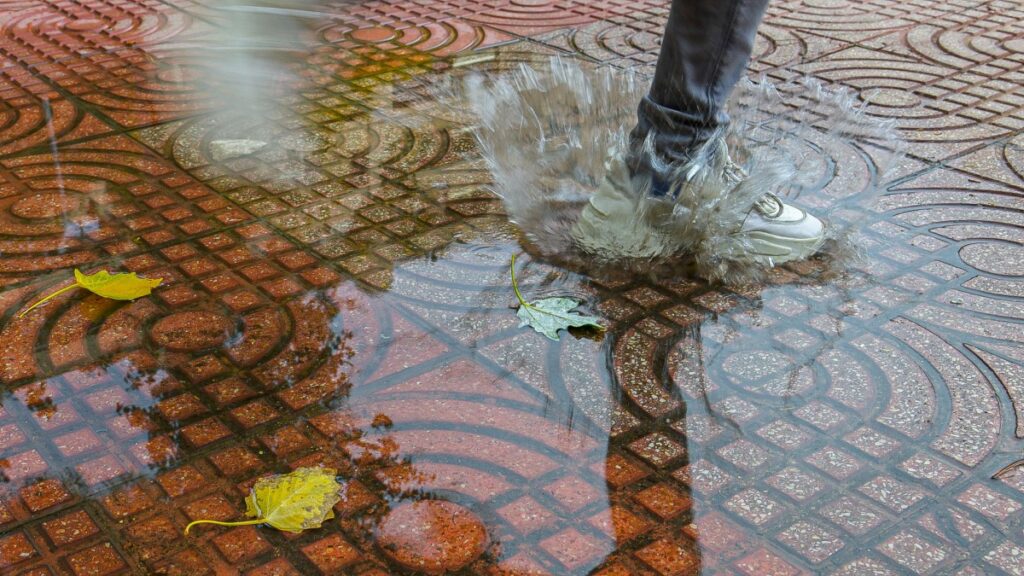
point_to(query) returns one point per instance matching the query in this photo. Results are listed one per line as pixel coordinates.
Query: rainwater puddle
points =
(337, 293)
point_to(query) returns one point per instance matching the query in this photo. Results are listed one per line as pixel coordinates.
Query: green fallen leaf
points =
(290, 502)
(550, 315)
(126, 286)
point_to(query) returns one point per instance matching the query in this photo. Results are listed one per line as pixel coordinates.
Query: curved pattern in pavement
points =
(337, 293)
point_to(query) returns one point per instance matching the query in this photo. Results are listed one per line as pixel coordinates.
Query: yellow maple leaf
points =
(127, 286)
(290, 502)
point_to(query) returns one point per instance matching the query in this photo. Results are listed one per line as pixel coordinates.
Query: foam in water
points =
(551, 136)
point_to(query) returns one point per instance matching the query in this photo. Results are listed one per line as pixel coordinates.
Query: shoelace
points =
(769, 205)
(733, 172)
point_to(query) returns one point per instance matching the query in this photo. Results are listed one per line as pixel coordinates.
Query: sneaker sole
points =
(772, 249)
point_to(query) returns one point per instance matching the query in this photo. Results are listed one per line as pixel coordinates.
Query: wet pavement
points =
(337, 293)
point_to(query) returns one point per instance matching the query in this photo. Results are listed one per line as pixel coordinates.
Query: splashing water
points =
(551, 136)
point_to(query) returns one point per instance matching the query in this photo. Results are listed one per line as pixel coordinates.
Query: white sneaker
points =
(778, 232)
(614, 223)
(618, 223)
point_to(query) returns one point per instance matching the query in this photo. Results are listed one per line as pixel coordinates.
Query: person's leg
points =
(705, 50)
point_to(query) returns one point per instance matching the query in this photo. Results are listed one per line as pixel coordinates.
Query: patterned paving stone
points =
(121, 82)
(1002, 161)
(913, 552)
(432, 537)
(336, 293)
(813, 542)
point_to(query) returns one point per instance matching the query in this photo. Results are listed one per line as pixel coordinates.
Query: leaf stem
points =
(515, 285)
(1005, 470)
(48, 298)
(219, 523)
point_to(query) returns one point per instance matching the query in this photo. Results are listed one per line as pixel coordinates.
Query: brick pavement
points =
(340, 297)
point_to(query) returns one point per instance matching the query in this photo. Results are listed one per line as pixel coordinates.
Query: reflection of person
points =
(257, 40)
(681, 122)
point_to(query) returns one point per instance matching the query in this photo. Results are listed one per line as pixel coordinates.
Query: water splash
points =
(70, 230)
(551, 135)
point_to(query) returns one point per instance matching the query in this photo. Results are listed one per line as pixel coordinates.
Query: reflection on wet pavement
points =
(336, 293)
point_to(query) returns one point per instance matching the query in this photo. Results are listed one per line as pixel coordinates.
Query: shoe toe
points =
(811, 227)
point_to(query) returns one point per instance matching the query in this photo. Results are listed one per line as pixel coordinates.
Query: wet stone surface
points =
(336, 293)
(432, 537)
(188, 331)
(41, 206)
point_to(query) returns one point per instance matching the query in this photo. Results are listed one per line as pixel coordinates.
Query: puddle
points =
(337, 293)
